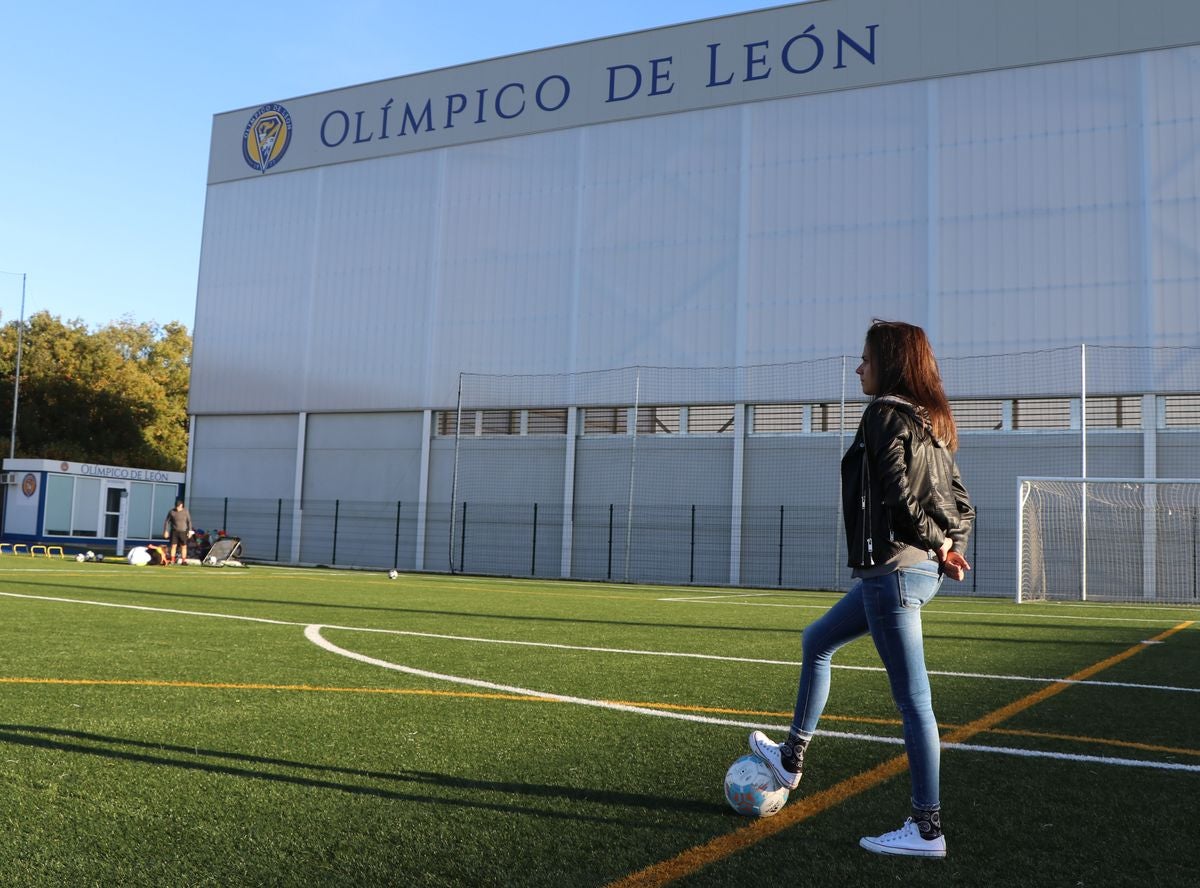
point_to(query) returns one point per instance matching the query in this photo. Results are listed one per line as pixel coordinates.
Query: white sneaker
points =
(905, 841)
(768, 751)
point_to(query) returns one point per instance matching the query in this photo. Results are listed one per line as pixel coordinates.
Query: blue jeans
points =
(889, 607)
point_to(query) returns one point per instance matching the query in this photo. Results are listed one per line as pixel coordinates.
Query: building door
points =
(113, 492)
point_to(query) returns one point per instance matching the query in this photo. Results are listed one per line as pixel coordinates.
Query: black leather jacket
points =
(900, 485)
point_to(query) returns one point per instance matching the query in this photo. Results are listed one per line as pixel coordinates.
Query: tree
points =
(116, 396)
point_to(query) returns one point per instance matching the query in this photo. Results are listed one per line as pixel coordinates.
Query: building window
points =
(85, 519)
(825, 417)
(778, 419)
(546, 422)
(658, 421)
(978, 416)
(605, 420)
(501, 422)
(1041, 413)
(1181, 411)
(447, 423)
(60, 493)
(710, 420)
(1123, 412)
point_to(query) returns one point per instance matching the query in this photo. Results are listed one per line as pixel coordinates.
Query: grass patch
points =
(175, 726)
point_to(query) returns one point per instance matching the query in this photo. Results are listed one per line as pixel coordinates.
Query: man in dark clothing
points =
(177, 529)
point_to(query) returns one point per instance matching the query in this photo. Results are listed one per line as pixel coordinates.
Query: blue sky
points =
(106, 111)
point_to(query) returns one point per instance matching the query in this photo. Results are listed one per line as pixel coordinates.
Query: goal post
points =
(1108, 539)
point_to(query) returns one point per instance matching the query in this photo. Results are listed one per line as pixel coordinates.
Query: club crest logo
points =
(29, 484)
(266, 137)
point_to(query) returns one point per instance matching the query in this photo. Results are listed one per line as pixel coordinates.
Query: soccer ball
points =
(91, 556)
(392, 574)
(80, 557)
(751, 788)
(99, 556)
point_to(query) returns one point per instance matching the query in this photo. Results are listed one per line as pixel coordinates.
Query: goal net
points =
(1108, 539)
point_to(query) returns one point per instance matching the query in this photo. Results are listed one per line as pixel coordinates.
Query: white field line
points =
(699, 594)
(1072, 757)
(634, 652)
(1031, 614)
(759, 661)
(733, 592)
(157, 610)
(313, 633)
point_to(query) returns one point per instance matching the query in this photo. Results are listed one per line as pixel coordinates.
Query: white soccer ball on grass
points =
(392, 574)
(80, 557)
(752, 790)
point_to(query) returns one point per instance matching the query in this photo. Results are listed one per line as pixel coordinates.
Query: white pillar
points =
(568, 512)
(735, 511)
(191, 451)
(933, 161)
(1149, 496)
(298, 483)
(1083, 516)
(123, 521)
(423, 486)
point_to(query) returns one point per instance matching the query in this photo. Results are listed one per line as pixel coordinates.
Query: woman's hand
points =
(953, 564)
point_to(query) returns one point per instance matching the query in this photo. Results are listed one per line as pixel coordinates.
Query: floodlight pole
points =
(12, 438)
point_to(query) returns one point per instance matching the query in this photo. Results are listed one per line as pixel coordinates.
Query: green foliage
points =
(116, 395)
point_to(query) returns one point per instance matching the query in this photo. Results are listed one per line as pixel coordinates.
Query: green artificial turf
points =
(194, 736)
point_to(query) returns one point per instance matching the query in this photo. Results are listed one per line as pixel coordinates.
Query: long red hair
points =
(904, 365)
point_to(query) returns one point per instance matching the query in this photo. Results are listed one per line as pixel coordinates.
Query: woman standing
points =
(908, 518)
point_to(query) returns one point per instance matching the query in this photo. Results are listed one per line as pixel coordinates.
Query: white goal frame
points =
(1149, 537)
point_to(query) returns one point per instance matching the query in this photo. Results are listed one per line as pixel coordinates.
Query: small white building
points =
(73, 504)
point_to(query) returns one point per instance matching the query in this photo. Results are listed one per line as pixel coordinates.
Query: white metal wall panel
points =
(250, 456)
(1172, 86)
(373, 280)
(507, 241)
(362, 456)
(255, 286)
(1027, 208)
(658, 264)
(837, 226)
(1038, 200)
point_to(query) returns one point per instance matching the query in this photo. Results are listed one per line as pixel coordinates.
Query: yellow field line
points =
(721, 847)
(479, 695)
(1099, 741)
(895, 722)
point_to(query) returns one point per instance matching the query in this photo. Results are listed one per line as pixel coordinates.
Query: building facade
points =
(1021, 179)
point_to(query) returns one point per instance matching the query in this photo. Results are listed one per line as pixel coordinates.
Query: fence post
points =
(1083, 502)
(975, 553)
(780, 581)
(462, 545)
(278, 525)
(396, 549)
(225, 516)
(1194, 512)
(533, 560)
(610, 530)
(336, 506)
(692, 554)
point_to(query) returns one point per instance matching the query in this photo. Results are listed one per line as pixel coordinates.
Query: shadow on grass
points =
(332, 777)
